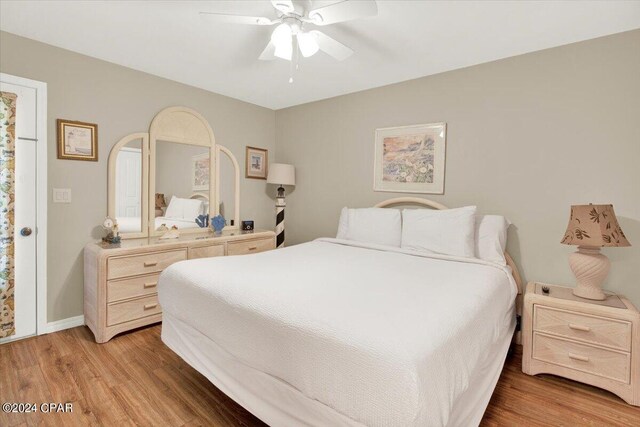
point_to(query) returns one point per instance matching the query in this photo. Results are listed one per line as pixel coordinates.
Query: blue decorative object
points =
(218, 223)
(202, 221)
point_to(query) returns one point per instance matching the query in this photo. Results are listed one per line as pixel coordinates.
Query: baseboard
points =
(60, 325)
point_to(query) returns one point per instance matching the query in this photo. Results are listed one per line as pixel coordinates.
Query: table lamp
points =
(590, 228)
(281, 174)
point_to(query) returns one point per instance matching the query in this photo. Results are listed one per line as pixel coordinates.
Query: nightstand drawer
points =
(582, 357)
(608, 332)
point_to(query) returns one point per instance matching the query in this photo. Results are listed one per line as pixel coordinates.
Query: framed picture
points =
(256, 163)
(410, 159)
(200, 172)
(77, 140)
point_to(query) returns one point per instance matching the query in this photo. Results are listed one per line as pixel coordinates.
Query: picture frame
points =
(256, 163)
(410, 159)
(200, 172)
(77, 140)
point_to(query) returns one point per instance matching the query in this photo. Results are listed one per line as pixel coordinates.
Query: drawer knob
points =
(150, 306)
(578, 357)
(150, 285)
(150, 263)
(579, 327)
(253, 248)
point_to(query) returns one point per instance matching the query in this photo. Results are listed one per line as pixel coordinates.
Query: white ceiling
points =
(408, 39)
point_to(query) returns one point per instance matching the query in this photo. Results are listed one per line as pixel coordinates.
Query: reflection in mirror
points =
(128, 187)
(182, 181)
(227, 179)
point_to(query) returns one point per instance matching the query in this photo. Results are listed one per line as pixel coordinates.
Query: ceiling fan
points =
(293, 18)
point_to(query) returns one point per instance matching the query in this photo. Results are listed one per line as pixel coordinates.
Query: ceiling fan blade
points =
(237, 19)
(284, 6)
(343, 11)
(331, 46)
(268, 54)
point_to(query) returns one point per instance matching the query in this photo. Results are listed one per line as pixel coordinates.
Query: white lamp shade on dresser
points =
(281, 174)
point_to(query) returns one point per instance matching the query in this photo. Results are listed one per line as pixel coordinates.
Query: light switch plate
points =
(61, 195)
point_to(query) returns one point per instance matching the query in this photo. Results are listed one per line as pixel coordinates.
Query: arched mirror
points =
(128, 184)
(171, 176)
(182, 162)
(228, 183)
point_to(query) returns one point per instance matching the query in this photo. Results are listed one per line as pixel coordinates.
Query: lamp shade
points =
(594, 226)
(281, 174)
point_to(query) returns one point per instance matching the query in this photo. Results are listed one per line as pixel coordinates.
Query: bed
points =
(337, 332)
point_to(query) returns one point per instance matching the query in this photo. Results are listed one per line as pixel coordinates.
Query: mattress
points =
(374, 335)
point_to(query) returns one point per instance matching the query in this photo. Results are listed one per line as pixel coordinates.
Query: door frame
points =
(41, 195)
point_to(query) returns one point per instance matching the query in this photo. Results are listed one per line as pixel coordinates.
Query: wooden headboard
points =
(435, 205)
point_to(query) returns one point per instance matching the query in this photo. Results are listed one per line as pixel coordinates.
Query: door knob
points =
(26, 231)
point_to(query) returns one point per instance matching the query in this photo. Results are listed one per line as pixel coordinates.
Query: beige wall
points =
(527, 137)
(120, 101)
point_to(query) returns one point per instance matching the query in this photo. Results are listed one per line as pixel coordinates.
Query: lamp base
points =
(590, 268)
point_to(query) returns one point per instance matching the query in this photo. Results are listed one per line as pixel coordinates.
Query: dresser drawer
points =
(582, 357)
(250, 247)
(143, 264)
(206, 251)
(131, 310)
(592, 329)
(133, 287)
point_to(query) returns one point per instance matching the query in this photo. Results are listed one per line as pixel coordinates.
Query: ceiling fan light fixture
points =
(308, 44)
(282, 39)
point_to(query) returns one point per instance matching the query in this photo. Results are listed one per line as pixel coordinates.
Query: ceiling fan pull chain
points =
(291, 72)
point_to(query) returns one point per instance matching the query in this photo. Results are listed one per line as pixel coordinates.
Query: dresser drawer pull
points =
(150, 285)
(150, 263)
(579, 327)
(150, 306)
(578, 357)
(253, 248)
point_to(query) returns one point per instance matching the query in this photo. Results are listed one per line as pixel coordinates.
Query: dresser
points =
(594, 342)
(120, 280)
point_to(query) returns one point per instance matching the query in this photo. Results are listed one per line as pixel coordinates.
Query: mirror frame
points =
(236, 186)
(180, 125)
(111, 182)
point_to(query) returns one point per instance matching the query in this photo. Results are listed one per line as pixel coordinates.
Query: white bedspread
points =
(383, 336)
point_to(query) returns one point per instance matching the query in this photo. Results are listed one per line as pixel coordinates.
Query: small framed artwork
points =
(256, 163)
(200, 172)
(77, 140)
(410, 159)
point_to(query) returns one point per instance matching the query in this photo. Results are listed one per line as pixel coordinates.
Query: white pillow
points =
(174, 210)
(191, 209)
(371, 225)
(449, 231)
(491, 238)
(343, 224)
(187, 209)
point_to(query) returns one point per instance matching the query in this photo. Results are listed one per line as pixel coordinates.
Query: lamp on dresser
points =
(590, 228)
(281, 174)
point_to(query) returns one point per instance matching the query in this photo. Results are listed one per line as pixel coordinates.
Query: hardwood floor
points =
(136, 380)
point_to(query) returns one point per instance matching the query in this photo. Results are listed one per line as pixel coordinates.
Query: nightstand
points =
(594, 342)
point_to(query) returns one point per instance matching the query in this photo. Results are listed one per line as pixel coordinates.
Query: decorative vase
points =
(218, 223)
